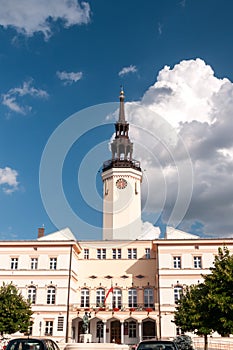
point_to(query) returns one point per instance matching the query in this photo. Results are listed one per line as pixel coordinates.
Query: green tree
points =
(208, 306)
(220, 296)
(15, 311)
(192, 312)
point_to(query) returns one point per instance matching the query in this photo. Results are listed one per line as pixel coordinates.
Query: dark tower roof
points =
(121, 146)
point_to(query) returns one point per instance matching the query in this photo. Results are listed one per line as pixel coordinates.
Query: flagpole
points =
(111, 306)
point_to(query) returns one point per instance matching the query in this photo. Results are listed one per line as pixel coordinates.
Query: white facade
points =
(45, 271)
(121, 203)
(67, 279)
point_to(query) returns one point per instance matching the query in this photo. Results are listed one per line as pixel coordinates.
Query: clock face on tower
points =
(121, 183)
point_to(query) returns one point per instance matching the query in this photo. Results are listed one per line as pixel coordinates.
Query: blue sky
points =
(60, 57)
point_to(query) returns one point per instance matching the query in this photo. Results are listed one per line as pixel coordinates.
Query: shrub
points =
(184, 342)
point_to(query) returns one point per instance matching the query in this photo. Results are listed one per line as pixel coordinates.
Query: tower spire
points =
(122, 107)
(121, 146)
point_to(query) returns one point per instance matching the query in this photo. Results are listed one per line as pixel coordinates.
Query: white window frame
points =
(14, 263)
(116, 253)
(86, 253)
(132, 297)
(197, 262)
(32, 294)
(117, 298)
(149, 297)
(177, 262)
(85, 297)
(51, 295)
(34, 263)
(53, 263)
(100, 296)
(101, 253)
(132, 253)
(48, 328)
(132, 329)
(178, 291)
(147, 253)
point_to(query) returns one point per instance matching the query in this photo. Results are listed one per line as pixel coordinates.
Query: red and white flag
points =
(108, 292)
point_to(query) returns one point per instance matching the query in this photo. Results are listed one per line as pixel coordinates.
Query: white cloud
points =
(29, 17)
(12, 99)
(69, 78)
(160, 28)
(185, 144)
(127, 70)
(8, 180)
(183, 3)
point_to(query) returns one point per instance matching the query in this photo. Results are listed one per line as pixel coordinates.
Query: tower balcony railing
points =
(121, 163)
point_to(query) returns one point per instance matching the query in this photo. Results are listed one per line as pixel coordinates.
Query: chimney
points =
(40, 232)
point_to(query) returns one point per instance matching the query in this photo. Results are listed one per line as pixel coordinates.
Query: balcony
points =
(117, 163)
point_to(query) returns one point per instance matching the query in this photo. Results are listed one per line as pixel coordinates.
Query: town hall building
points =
(127, 286)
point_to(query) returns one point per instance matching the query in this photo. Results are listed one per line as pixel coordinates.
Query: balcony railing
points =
(118, 163)
(110, 307)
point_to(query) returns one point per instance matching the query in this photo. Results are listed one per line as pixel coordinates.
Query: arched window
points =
(100, 295)
(32, 294)
(178, 291)
(132, 297)
(117, 298)
(85, 297)
(51, 294)
(148, 297)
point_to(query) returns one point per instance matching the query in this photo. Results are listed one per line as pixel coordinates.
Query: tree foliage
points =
(208, 307)
(192, 312)
(220, 292)
(15, 311)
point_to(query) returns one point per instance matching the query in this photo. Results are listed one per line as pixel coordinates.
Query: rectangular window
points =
(132, 329)
(14, 263)
(147, 253)
(32, 294)
(114, 256)
(177, 262)
(48, 328)
(197, 262)
(149, 297)
(53, 264)
(85, 300)
(132, 297)
(51, 293)
(86, 253)
(34, 263)
(178, 291)
(100, 296)
(117, 298)
(116, 253)
(132, 253)
(101, 253)
(60, 323)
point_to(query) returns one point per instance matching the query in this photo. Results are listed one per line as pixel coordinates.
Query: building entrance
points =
(115, 332)
(148, 329)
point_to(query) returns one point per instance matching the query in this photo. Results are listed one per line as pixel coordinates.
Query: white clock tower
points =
(122, 178)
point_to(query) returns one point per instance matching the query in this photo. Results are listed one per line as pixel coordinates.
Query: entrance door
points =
(115, 332)
(148, 329)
